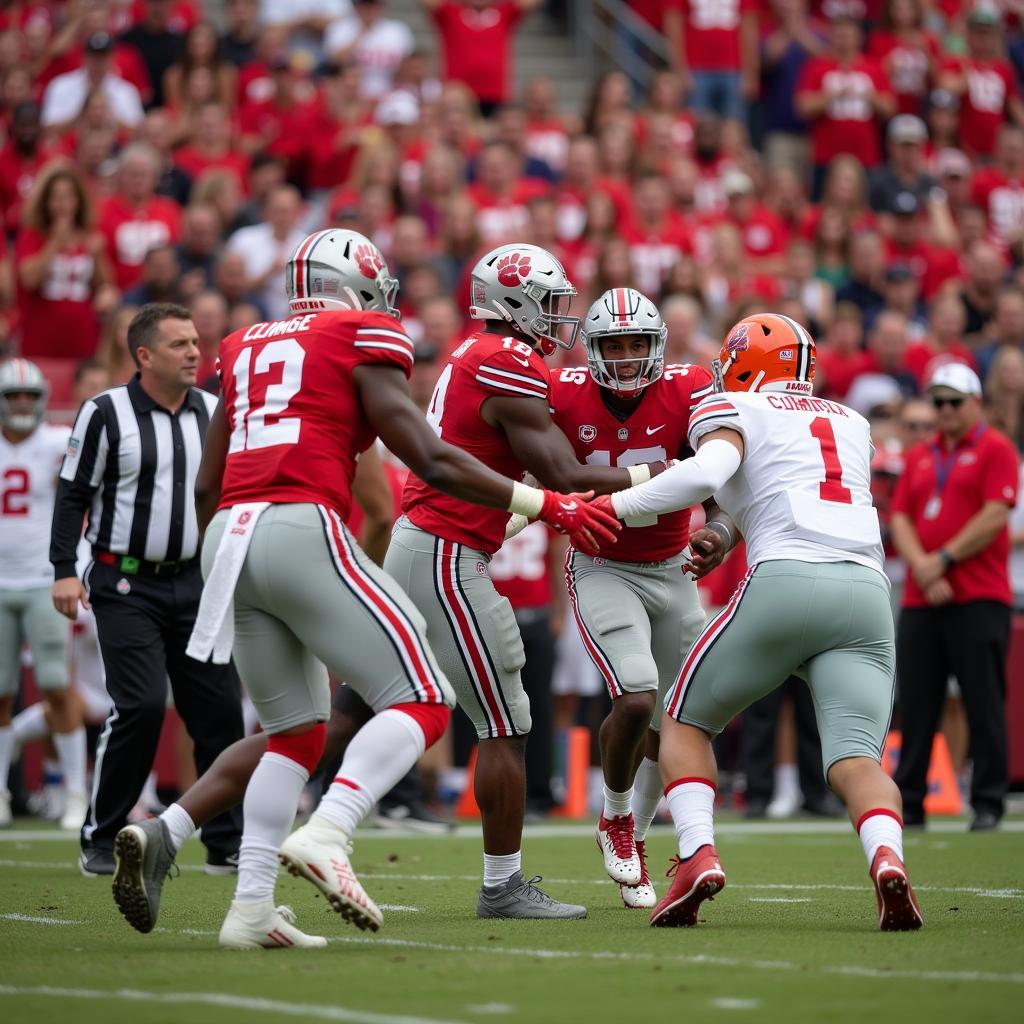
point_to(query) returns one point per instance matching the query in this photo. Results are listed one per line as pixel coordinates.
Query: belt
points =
(140, 567)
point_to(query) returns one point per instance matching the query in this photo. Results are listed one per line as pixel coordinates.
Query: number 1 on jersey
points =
(832, 488)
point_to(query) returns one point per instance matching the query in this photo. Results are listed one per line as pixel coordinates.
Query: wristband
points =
(723, 531)
(638, 474)
(526, 501)
(946, 558)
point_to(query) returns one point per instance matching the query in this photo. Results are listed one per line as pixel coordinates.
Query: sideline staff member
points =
(949, 523)
(131, 464)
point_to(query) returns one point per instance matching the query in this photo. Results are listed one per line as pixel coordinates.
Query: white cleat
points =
(261, 925)
(5, 809)
(319, 853)
(618, 847)
(76, 807)
(641, 896)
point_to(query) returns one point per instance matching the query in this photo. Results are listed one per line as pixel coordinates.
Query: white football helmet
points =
(525, 285)
(339, 269)
(624, 311)
(18, 375)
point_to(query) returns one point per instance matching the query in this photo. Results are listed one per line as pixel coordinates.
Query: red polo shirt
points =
(982, 467)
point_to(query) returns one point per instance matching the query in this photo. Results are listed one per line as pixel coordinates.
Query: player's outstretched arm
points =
(384, 393)
(211, 467)
(545, 451)
(719, 454)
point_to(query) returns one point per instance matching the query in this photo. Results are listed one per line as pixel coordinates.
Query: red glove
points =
(587, 525)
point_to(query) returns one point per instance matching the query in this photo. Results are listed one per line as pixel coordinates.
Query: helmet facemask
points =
(23, 422)
(547, 327)
(606, 372)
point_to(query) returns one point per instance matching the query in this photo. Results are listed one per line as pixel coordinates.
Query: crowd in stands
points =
(856, 164)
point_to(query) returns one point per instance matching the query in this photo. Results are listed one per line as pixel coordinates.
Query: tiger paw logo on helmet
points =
(512, 269)
(369, 261)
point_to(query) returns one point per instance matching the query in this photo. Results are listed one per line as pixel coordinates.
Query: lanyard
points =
(944, 462)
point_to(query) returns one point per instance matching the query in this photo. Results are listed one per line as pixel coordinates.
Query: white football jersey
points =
(28, 486)
(803, 490)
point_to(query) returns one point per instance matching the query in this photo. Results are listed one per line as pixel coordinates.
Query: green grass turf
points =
(816, 957)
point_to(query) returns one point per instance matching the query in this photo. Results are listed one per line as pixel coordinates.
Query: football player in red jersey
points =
(637, 610)
(301, 398)
(492, 399)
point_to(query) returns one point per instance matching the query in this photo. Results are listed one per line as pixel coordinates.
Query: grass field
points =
(792, 938)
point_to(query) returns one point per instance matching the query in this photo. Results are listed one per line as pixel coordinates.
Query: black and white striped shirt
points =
(132, 466)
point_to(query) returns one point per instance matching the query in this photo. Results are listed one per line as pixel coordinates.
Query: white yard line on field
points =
(222, 999)
(779, 899)
(29, 919)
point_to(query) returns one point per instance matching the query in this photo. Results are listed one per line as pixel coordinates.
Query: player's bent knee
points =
(432, 719)
(303, 748)
(636, 707)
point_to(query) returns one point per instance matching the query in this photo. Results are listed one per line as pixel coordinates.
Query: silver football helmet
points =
(339, 269)
(19, 375)
(618, 312)
(525, 285)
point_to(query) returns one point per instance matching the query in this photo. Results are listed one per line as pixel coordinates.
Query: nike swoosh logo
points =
(654, 430)
(522, 362)
(568, 505)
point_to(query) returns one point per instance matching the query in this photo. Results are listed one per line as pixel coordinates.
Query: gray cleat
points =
(520, 898)
(144, 858)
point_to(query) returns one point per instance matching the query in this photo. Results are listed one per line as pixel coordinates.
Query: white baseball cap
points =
(957, 377)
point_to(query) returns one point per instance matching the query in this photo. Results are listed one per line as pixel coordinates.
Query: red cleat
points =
(897, 907)
(695, 880)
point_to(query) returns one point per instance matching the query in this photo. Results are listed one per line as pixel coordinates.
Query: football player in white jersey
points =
(793, 472)
(30, 457)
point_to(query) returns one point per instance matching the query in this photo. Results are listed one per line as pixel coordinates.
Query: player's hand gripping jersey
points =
(296, 422)
(655, 430)
(483, 366)
(803, 488)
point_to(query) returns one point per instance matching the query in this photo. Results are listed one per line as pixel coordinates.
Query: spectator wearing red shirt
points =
(63, 273)
(949, 524)
(840, 358)
(657, 236)
(212, 146)
(907, 53)
(135, 219)
(887, 351)
(985, 83)
(714, 46)
(477, 44)
(945, 344)
(999, 190)
(764, 233)
(844, 96)
(501, 193)
(582, 179)
(931, 265)
(341, 115)
(21, 160)
(546, 135)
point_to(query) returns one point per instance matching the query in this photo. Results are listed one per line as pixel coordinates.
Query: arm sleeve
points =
(503, 373)
(685, 484)
(84, 463)
(382, 339)
(999, 482)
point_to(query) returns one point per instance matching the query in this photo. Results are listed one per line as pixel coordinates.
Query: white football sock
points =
(880, 828)
(500, 867)
(30, 725)
(180, 826)
(379, 755)
(617, 804)
(271, 799)
(693, 810)
(646, 797)
(71, 754)
(6, 748)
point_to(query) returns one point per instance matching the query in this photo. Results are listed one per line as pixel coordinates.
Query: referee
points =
(131, 466)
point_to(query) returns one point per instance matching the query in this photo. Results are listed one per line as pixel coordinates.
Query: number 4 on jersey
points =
(832, 488)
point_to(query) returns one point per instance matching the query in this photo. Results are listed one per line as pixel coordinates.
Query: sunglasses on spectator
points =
(922, 425)
(954, 402)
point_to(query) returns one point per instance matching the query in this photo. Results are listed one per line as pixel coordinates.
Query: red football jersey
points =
(132, 231)
(990, 83)
(1001, 199)
(655, 429)
(520, 570)
(294, 412)
(483, 366)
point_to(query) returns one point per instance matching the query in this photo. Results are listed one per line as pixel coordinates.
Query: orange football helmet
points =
(766, 352)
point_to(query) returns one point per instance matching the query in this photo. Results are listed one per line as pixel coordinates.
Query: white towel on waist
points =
(214, 631)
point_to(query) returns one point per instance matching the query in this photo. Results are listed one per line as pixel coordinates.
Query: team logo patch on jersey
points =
(123, 587)
(588, 432)
(369, 261)
(623, 434)
(73, 445)
(738, 341)
(481, 569)
(513, 268)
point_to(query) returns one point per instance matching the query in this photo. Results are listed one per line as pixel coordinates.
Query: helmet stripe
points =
(300, 265)
(309, 258)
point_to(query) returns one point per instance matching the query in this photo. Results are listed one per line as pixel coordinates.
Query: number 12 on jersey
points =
(250, 428)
